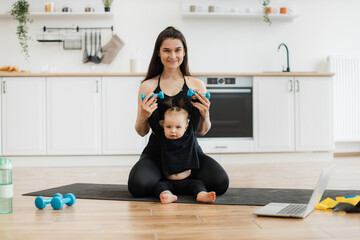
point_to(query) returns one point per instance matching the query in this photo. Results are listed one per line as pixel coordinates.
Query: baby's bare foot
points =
(167, 197)
(208, 197)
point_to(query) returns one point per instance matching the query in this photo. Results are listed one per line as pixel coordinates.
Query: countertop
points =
(264, 74)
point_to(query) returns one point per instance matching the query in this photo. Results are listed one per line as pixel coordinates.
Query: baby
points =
(178, 137)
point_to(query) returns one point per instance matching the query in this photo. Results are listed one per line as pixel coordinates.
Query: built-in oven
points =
(231, 114)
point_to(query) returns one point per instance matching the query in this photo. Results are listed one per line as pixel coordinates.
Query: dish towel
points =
(111, 49)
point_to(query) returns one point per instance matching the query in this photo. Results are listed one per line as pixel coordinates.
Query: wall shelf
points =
(238, 15)
(65, 14)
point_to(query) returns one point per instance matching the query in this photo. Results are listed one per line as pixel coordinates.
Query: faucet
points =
(287, 54)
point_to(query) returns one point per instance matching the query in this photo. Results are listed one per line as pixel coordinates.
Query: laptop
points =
(298, 210)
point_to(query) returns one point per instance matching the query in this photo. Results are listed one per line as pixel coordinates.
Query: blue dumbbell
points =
(192, 92)
(57, 202)
(159, 95)
(40, 202)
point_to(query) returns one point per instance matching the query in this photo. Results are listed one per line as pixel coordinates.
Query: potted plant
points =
(266, 18)
(107, 5)
(20, 12)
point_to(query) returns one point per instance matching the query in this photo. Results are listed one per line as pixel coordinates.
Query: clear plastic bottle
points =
(6, 187)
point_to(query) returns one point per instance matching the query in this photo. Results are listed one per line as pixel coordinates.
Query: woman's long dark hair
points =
(156, 67)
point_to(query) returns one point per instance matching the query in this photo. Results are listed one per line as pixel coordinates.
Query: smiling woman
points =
(172, 53)
(168, 38)
(168, 72)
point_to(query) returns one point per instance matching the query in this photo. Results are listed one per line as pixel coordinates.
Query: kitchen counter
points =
(296, 74)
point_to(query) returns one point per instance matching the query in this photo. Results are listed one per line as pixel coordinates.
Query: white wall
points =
(323, 28)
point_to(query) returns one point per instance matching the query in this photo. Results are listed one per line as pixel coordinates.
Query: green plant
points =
(107, 3)
(20, 13)
(266, 17)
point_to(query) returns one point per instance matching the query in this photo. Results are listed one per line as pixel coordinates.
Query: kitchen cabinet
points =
(73, 115)
(119, 104)
(23, 116)
(292, 114)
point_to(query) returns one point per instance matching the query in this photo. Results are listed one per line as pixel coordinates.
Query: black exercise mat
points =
(234, 196)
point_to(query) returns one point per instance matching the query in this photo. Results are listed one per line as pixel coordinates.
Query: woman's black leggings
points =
(146, 173)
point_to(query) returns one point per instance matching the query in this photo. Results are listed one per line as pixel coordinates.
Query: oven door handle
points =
(229, 90)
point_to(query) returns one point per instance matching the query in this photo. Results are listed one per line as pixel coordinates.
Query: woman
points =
(168, 72)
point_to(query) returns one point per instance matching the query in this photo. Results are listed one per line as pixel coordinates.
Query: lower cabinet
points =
(292, 114)
(70, 116)
(96, 115)
(119, 110)
(23, 116)
(73, 115)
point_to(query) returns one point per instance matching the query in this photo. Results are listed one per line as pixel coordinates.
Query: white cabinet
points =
(292, 114)
(313, 114)
(23, 116)
(119, 104)
(73, 115)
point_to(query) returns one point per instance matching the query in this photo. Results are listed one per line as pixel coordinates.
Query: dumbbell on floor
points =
(158, 95)
(192, 92)
(40, 202)
(57, 202)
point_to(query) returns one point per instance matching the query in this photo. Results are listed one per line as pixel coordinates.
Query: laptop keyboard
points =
(293, 209)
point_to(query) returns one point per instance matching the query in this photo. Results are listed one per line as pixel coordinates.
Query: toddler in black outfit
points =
(177, 135)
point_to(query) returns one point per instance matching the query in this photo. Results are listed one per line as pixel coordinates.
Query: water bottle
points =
(6, 187)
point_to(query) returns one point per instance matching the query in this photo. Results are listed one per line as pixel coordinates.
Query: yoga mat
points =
(233, 196)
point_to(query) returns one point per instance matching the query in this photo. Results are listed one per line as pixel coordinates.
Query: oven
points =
(231, 114)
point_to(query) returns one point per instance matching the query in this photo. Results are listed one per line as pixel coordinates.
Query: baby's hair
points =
(181, 108)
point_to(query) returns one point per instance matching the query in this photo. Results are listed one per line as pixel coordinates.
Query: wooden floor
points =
(94, 219)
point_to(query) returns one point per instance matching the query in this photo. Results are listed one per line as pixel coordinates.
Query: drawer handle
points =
(223, 147)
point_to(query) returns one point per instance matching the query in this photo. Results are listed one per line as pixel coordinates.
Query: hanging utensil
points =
(91, 46)
(95, 58)
(86, 54)
(99, 52)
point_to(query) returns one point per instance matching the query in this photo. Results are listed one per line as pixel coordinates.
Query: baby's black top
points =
(177, 155)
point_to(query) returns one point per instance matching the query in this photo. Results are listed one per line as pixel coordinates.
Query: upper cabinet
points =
(292, 114)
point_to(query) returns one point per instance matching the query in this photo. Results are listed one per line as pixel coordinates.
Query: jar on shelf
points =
(66, 8)
(50, 6)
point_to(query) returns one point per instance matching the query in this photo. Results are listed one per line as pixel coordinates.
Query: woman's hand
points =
(148, 105)
(203, 105)
(204, 108)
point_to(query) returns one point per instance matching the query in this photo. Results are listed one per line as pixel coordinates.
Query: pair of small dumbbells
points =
(160, 95)
(56, 202)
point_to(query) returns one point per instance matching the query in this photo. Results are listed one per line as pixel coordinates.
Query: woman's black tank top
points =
(153, 146)
(182, 94)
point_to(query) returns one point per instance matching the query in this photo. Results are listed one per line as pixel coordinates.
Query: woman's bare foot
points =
(208, 197)
(167, 197)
